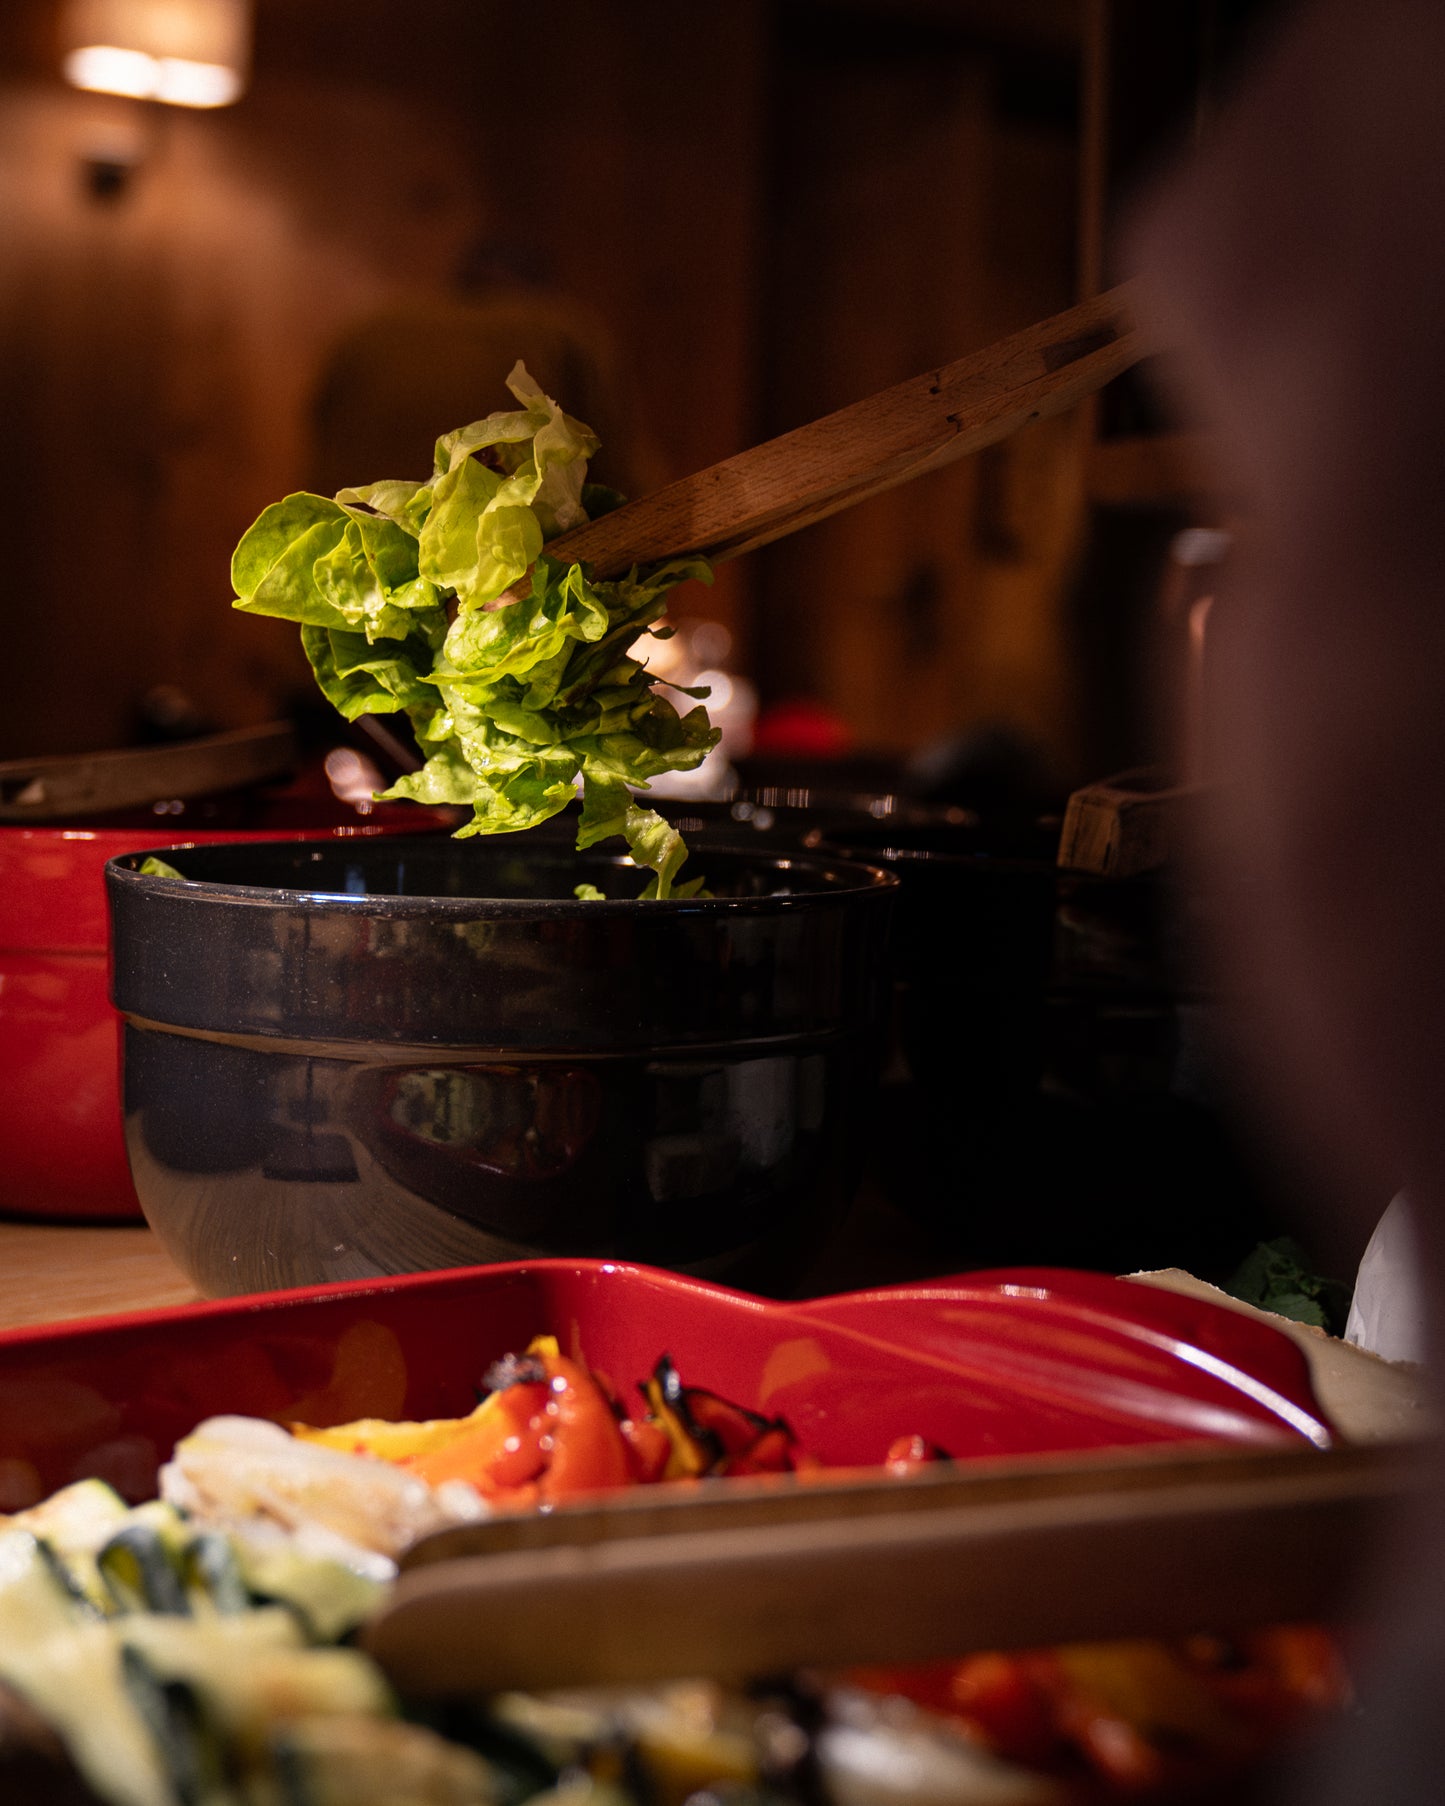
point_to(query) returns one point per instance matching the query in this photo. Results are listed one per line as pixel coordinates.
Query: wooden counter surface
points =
(52, 1271)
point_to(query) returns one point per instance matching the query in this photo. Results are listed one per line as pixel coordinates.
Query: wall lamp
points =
(187, 53)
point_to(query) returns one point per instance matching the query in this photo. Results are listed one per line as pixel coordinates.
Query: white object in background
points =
(694, 655)
(1387, 1313)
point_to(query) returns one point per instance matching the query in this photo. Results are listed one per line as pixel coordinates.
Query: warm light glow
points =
(186, 84)
(188, 53)
(108, 70)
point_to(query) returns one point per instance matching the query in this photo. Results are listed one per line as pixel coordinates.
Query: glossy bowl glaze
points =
(984, 1364)
(59, 1037)
(342, 1061)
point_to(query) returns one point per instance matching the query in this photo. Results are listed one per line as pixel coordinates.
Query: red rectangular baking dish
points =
(985, 1364)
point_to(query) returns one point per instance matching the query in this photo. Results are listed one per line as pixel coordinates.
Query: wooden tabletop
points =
(53, 1271)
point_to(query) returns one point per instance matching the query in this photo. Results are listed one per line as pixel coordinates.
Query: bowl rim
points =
(868, 882)
(943, 860)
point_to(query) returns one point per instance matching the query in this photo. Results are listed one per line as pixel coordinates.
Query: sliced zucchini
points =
(564, 1729)
(327, 1596)
(73, 1678)
(578, 1789)
(68, 1576)
(198, 1762)
(255, 1672)
(343, 1761)
(76, 1523)
(520, 1768)
(35, 1766)
(37, 1595)
(141, 1569)
(212, 1577)
(81, 1516)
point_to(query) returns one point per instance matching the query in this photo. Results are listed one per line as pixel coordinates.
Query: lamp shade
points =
(190, 53)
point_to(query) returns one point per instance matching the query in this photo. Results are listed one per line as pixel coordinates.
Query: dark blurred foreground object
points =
(1299, 271)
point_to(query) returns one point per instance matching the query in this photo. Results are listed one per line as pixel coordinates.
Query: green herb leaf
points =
(1276, 1276)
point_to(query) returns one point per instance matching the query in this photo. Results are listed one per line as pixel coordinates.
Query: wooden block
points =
(1125, 825)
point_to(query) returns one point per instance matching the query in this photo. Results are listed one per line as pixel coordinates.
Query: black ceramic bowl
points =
(376, 1058)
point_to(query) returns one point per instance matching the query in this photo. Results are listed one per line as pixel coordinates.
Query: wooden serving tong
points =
(64, 786)
(803, 476)
(756, 1578)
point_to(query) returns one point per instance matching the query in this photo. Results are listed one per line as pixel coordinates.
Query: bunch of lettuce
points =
(516, 672)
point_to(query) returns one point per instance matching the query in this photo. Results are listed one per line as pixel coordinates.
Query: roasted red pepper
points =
(909, 1453)
(709, 1435)
(588, 1453)
(501, 1449)
(648, 1449)
(772, 1453)
(695, 1451)
(736, 1429)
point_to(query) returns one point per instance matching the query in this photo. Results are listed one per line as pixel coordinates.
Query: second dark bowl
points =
(1053, 1094)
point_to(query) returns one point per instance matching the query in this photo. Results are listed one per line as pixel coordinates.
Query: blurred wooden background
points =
(757, 211)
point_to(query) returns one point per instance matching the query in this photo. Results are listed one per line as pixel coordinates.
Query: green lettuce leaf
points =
(405, 503)
(310, 560)
(360, 677)
(1277, 1276)
(605, 802)
(446, 777)
(288, 586)
(524, 680)
(656, 844)
(276, 530)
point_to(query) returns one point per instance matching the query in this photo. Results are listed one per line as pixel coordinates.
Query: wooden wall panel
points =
(771, 208)
(915, 221)
(159, 352)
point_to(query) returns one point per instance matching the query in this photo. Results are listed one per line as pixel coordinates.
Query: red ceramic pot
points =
(60, 1120)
